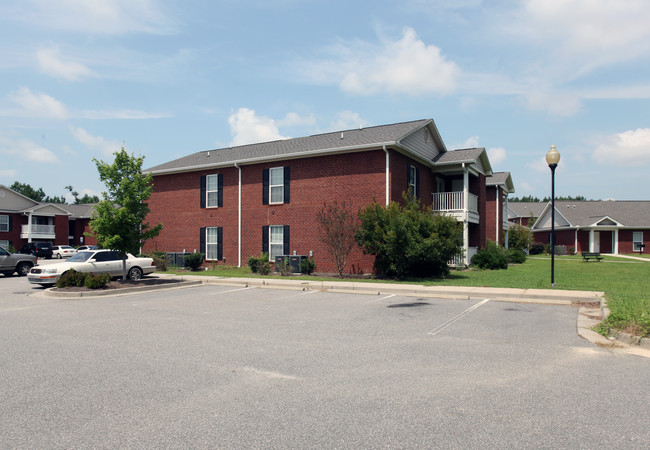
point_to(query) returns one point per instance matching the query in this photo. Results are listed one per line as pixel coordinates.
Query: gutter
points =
(239, 219)
(387, 175)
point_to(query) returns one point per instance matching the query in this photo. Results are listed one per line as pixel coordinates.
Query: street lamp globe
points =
(553, 156)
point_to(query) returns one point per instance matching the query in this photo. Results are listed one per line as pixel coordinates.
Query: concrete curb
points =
(624, 338)
(117, 292)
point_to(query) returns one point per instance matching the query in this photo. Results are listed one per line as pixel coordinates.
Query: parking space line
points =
(459, 316)
(232, 290)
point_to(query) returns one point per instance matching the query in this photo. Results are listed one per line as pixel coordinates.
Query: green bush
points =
(519, 237)
(159, 259)
(307, 265)
(516, 256)
(193, 261)
(409, 240)
(97, 281)
(491, 257)
(537, 249)
(260, 264)
(71, 278)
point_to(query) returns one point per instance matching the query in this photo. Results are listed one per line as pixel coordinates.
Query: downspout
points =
(29, 226)
(466, 213)
(239, 219)
(497, 198)
(387, 176)
(505, 218)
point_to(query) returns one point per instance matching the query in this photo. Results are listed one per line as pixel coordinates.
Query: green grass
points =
(626, 283)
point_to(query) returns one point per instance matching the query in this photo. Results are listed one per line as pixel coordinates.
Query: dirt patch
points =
(592, 305)
(119, 284)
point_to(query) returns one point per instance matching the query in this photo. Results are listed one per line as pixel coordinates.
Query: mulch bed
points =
(119, 284)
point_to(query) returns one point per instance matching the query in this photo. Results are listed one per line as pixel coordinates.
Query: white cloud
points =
(28, 150)
(8, 173)
(98, 143)
(497, 155)
(122, 114)
(110, 17)
(36, 105)
(470, 142)
(554, 103)
(630, 148)
(595, 32)
(293, 119)
(247, 128)
(51, 63)
(406, 66)
(346, 120)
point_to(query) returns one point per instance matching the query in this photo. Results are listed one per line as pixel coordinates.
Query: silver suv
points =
(11, 263)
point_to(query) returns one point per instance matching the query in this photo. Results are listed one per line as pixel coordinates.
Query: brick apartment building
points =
(237, 202)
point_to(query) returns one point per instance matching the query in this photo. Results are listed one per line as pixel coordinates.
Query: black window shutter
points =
(286, 248)
(202, 241)
(10, 222)
(220, 191)
(265, 187)
(287, 185)
(417, 182)
(203, 191)
(220, 243)
(265, 239)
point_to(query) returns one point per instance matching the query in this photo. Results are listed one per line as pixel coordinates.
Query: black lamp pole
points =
(552, 158)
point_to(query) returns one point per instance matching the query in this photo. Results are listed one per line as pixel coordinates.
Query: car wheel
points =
(23, 269)
(135, 273)
(58, 256)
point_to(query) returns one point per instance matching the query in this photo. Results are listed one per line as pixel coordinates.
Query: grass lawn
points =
(626, 283)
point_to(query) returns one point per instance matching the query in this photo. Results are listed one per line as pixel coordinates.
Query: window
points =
(4, 223)
(212, 243)
(275, 185)
(275, 240)
(413, 177)
(4, 245)
(212, 191)
(637, 240)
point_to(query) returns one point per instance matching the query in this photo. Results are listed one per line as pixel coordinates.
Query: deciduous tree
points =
(338, 226)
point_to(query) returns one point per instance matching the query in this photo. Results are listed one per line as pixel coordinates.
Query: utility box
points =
(279, 262)
(176, 259)
(293, 260)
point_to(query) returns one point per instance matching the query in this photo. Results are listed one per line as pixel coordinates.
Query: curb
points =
(118, 292)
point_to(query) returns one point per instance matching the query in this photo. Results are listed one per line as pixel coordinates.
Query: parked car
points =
(63, 251)
(95, 261)
(85, 248)
(11, 263)
(38, 249)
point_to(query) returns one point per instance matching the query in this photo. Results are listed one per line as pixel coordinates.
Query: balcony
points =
(38, 232)
(452, 203)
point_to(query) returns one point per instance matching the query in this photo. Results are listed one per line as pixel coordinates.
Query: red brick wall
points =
(493, 199)
(352, 178)
(61, 230)
(399, 178)
(13, 236)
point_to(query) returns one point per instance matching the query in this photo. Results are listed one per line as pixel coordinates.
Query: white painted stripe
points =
(381, 299)
(233, 290)
(459, 316)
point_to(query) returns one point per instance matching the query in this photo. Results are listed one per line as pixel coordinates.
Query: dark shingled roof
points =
(627, 213)
(346, 140)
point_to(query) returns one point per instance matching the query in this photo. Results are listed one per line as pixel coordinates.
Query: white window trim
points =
(635, 242)
(413, 178)
(209, 191)
(4, 225)
(271, 243)
(271, 186)
(208, 244)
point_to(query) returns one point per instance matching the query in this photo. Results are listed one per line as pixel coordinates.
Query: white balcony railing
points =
(453, 201)
(38, 230)
(458, 260)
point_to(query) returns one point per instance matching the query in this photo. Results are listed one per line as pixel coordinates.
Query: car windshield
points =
(81, 257)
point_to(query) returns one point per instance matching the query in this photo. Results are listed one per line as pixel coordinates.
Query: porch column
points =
(29, 227)
(505, 218)
(466, 213)
(591, 241)
(616, 241)
(466, 241)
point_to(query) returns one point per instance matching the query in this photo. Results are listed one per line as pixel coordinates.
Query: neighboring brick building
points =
(24, 220)
(498, 187)
(236, 202)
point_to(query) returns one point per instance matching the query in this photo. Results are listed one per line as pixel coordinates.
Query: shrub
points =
(260, 261)
(307, 265)
(193, 261)
(519, 237)
(97, 281)
(71, 278)
(409, 240)
(491, 257)
(516, 256)
(285, 268)
(537, 249)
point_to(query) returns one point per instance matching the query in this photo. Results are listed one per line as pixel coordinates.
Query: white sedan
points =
(96, 261)
(62, 251)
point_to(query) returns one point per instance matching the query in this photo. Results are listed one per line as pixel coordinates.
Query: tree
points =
(118, 220)
(85, 199)
(519, 237)
(409, 240)
(338, 225)
(25, 189)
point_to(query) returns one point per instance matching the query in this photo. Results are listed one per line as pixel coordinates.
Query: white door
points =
(597, 241)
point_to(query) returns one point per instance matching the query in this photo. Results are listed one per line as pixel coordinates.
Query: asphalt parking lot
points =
(225, 367)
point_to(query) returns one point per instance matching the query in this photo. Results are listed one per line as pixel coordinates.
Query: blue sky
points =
(78, 79)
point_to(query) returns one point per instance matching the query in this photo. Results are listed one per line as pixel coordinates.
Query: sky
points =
(80, 79)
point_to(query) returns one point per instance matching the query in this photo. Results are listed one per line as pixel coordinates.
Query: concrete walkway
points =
(636, 258)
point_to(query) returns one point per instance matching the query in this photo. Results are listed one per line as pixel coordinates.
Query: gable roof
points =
(335, 142)
(523, 209)
(586, 214)
(475, 156)
(502, 179)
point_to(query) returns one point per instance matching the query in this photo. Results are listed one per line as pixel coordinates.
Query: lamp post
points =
(552, 158)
